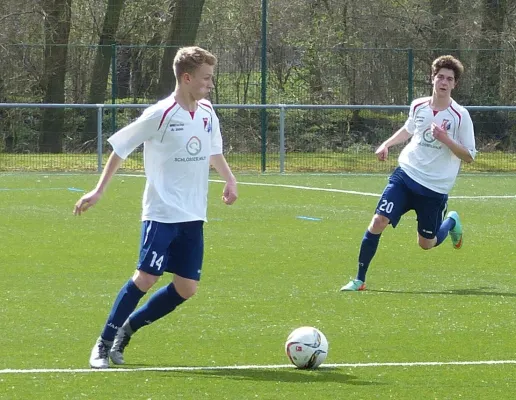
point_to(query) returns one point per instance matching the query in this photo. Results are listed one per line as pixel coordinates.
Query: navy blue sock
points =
(367, 251)
(161, 303)
(124, 305)
(447, 225)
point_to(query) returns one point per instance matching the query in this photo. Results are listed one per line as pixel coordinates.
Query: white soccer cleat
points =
(99, 355)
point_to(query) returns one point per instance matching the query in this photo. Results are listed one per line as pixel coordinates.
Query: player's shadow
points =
(481, 291)
(323, 374)
(328, 375)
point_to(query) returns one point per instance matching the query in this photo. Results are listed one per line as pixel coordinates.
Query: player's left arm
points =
(230, 193)
(218, 161)
(464, 146)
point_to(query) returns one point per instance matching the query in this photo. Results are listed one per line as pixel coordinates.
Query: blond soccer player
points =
(181, 138)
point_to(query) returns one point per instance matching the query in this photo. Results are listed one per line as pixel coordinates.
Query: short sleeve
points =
(216, 136)
(410, 125)
(127, 139)
(466, 133)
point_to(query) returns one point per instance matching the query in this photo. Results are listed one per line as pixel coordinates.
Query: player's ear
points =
(187, 77)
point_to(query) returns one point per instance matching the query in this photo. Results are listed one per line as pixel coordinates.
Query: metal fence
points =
(297, 138)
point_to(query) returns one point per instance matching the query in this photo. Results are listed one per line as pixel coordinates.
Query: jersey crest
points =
(207, 124)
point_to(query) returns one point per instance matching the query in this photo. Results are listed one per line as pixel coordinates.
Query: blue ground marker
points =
(309, 218)
(72, 189)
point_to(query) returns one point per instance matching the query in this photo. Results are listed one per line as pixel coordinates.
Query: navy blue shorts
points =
(176, 248)
(403, 194)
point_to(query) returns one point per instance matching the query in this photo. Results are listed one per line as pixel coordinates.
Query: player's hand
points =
(439, 133)
(86, 201)
(382, 152)
(230, 193)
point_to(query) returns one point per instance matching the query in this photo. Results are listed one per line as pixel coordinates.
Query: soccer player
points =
(181, 138)
(442, 136)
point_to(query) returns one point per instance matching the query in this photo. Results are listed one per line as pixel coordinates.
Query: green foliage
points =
(318, 52)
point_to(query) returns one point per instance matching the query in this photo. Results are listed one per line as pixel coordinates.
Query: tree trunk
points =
(125, 55)
(99, 78)
(488, 62)
(487, 85)
(57, 32)
(444, 36)
(144, 69)
(312, 60)
(186, 16)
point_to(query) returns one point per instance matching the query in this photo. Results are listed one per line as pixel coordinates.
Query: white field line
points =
(352, 192)
(250, 367)
(271, 174)
(355, 192)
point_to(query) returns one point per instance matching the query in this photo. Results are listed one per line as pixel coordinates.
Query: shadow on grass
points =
(325, 375)
(481, 291)
(322, 375)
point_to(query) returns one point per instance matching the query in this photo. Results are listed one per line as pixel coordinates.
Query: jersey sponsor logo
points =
(427, 136)
(189, 159)
(177, 127)
(429, 140)
(194, 146)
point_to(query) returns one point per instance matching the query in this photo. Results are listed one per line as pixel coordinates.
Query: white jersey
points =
(177, 145)
(425, 159)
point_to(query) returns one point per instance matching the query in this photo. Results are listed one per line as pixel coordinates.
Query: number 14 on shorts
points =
(156, 261)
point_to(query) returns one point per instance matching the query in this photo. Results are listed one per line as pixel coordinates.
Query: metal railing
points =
(283, 108)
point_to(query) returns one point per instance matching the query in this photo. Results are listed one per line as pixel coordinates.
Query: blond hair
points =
(189, 59)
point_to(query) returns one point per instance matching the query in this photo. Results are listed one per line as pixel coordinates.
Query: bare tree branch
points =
(7, 16)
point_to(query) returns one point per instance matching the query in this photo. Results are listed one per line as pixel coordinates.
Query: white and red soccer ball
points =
(306, 347)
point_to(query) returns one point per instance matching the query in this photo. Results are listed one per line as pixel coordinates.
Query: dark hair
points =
(189, 59)
(448, 62)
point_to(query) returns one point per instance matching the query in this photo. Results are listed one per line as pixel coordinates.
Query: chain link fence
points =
(299, 138)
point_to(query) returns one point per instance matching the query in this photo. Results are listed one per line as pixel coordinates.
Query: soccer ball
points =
(306, 347)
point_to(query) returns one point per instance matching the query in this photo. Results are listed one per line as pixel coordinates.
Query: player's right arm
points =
(123, 142)
(401, 136)
(89, 199)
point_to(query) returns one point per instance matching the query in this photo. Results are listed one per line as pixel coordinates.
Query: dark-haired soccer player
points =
(442, 136)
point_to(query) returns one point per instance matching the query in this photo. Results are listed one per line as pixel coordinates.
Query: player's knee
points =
(378, 224)
(185, 288)
(186, 292)
(426, 244)
(144, 281)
